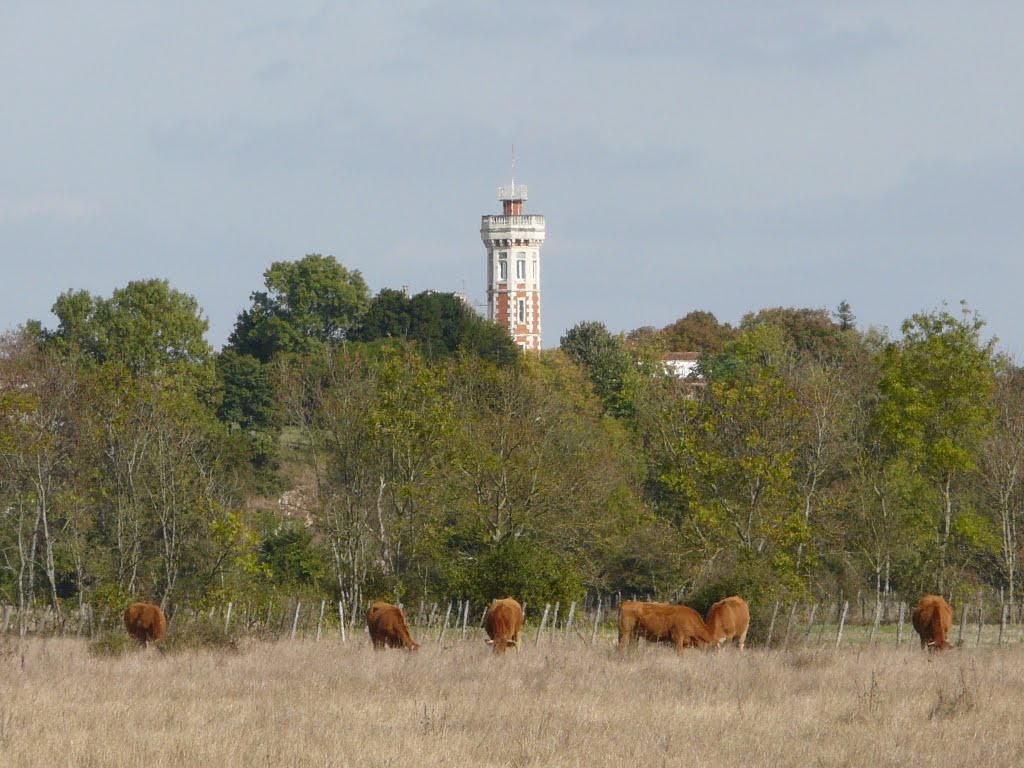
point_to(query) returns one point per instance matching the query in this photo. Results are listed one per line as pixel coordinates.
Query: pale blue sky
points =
(687, 155)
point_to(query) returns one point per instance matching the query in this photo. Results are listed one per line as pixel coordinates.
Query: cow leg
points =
(742, 640)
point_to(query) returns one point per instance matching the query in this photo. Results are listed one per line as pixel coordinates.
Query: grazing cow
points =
(679, 625)
(933, 618)
(145, 622)
(504, 622)
(387, 627)
(729, 619)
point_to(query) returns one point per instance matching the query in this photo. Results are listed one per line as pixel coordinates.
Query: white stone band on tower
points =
(513, 244)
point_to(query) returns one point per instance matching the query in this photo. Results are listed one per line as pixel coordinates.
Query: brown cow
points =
(145, 622)
(679, 625)
(729, 619)
(387, 627)
(504, 623)
(933, 618)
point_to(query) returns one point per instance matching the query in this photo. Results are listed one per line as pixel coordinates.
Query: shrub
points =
(112, 642)
(200, 633)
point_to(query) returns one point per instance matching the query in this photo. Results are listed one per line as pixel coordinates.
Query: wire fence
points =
(779, 625)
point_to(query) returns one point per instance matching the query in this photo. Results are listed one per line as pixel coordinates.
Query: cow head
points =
(499, 648)
(937, 646)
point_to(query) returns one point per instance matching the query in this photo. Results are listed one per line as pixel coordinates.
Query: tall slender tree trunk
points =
(947, 527)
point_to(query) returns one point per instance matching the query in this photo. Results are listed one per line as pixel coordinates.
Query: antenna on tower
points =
(513, 193)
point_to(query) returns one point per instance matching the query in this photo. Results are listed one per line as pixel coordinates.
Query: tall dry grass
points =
(560, 704)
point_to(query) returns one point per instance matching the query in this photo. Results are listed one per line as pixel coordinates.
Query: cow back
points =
(504, 623)
(387, 627)
(145, 622)
(679, 625)
(729, 619)
(933, 619)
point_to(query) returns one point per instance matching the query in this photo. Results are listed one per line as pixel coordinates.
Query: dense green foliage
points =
(306, 303)
(440, 323)
(402, 447)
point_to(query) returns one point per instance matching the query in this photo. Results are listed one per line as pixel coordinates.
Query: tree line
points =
(343, 443)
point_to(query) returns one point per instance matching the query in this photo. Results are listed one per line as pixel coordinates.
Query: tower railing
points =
(500, 220)
(515, 192)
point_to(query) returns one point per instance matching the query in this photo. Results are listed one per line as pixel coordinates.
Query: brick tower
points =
(513, 244)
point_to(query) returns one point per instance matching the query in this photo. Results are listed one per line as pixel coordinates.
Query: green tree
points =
(845, 317)
(698, 331)
(155, 495)
(441, 323)
(763, 346)
(603, 356)
(935, 409)
(37, 464)
(1001, 468)
(376, 428)
(736, 487)
(289, 557)
(310, 302)
(809, 331)
(147, 326)
(536, 460)
(248, 398)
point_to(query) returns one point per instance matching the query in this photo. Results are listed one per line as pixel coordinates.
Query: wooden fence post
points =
(341, 619)
(899, 625)
(842, 621)
(789, 625)
(963, 623)
(874, 624)
(320, 621)
(554, 620)
(1002, 622)
(295, 621)
(771, 625)
(810, 623)
(465, 618)
(981, 622)
(568, 622)
(824, 622)
(447, 615)
(227, 617)
(543, 622)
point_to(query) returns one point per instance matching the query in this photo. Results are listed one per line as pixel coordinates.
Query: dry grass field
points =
(303, 703)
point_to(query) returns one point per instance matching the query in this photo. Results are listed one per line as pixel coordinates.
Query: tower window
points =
(535, 269)
(521, 269)
(522, 310)
(503, 269)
